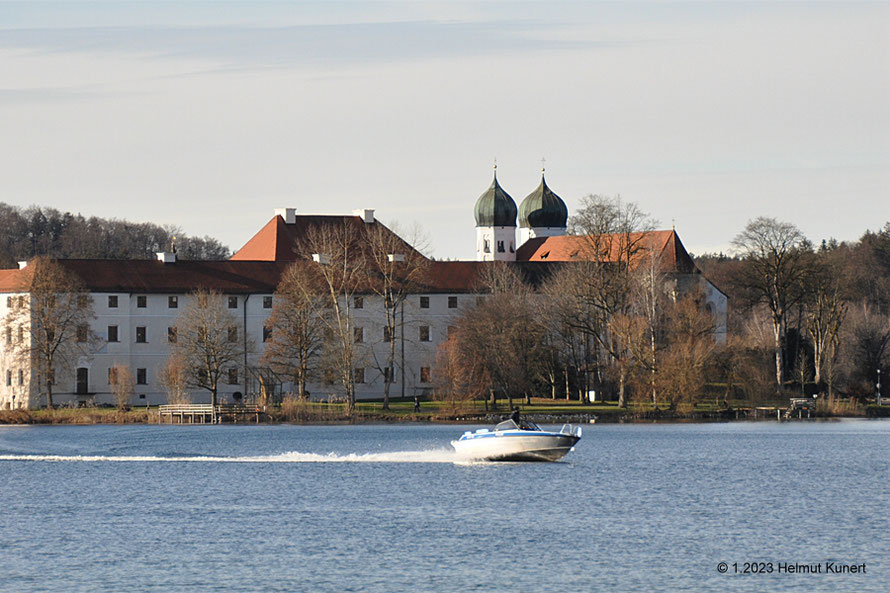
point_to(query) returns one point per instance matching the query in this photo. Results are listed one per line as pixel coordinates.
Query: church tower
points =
(542, 214)
(495, 224)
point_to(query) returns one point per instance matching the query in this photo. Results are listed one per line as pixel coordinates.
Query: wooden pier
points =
(208, 414)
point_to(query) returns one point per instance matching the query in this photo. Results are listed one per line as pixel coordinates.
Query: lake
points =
(386, 508)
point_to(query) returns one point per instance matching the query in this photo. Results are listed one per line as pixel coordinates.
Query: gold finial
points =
(543, 168)
(495, 163)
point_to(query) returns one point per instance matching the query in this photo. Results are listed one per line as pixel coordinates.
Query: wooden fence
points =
(208, 414)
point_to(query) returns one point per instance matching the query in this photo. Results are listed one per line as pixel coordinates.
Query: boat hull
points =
(515, 446)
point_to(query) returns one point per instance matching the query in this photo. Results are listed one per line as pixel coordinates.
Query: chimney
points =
(366, 214)
(23, 264)
(288, 214)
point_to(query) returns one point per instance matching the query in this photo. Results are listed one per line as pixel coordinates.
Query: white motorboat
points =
(511, 442)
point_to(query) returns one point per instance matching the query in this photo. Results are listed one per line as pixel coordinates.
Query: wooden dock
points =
(208, 414)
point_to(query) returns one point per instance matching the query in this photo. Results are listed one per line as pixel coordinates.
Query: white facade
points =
(133, 330)
(495, 243)
(526, 233)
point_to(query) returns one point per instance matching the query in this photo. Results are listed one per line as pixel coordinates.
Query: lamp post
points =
(878, 389)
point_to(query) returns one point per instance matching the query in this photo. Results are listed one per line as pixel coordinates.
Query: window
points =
(267, 302)
(141, 301)
(424, 302)
(233, 302)
(359, 333)
(389, 375)
(21, 377)
(387, 334)
(112, 376)
(112, 333)
(141, 377)
(424, 374)
(452, 302)
(233, 376)
(83, 332)
(21, 334)
(173, 302)
(360, 375)
(9, 302)
(8, 336)
(328, 377)
(358, 302)
(486, 246)
(9, 377)
(112, 301)
(500, 246)
(424, 333)
(171, 334)
(232, 334)
(267, 333)
(140, 334)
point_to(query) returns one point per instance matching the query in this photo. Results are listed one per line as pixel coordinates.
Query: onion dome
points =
(543, 208)
(495, 207)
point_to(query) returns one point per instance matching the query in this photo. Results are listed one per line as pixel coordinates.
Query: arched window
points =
(486, 246)
(500, 246)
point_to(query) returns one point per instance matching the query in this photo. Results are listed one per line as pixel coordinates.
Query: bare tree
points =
(689, 331)
(123, 384)
(339, 252)
(174, 379)
(297, 324)
(48, 328)
(504, 335)
(208, 340)
(396, 270)
(824, 318)
(614, 239)
(777, 257)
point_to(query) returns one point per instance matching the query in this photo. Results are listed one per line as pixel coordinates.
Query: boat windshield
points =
(511, 425)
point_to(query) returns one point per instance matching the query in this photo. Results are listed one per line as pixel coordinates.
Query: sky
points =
(209, 115)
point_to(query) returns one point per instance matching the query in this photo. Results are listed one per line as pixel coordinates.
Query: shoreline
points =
(142, 416)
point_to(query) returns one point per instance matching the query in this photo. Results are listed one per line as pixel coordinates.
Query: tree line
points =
(802, 320)
(33, 231)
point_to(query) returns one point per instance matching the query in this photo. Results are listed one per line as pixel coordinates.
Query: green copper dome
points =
(495, 207)
(543, 208)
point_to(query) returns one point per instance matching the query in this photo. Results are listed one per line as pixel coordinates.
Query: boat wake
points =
(428, 456)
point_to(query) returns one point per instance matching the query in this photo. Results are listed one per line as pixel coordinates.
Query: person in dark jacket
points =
(515, 415)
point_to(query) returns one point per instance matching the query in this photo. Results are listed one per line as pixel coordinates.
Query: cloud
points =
(358, 43)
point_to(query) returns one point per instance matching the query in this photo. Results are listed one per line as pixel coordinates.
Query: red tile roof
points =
(231, 277)
(279, 241)
(152, 276)
(665, 244)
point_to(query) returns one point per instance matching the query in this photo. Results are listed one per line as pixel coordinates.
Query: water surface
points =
(389, 508)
